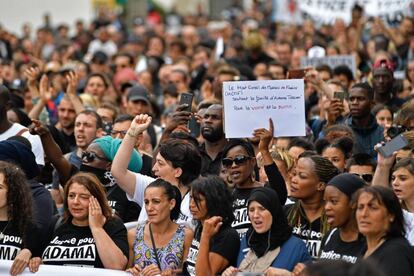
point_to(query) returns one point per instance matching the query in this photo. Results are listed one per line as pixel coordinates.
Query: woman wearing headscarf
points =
(269, 245)
(344, 241)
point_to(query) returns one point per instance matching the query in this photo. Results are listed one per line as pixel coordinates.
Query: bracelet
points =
(133, 132)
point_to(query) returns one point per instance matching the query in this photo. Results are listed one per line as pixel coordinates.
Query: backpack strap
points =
(58, 223)
(21, 132)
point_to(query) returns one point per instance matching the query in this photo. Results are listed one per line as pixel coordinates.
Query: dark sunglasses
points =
(238, 160)
(88, 157)
(365, 176)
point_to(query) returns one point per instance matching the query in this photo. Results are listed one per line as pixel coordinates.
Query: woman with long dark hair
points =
(215, 243)
(19, 239)
(381, 221)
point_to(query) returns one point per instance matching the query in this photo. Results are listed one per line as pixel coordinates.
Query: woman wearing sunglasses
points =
(97, 159)
(343, 242)
(215, 244)
(88, 234)
(269, 246)
(240, 162)
(307, 216)
(177, 162)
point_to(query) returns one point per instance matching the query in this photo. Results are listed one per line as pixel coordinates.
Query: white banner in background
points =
(383, 7)
(48, 270)
(332, 61)
(326, 11)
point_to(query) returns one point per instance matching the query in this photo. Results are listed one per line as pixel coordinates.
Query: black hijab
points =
(279, 232)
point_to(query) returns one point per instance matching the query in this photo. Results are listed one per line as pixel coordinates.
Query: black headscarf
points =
(279, 232)
(21, 155)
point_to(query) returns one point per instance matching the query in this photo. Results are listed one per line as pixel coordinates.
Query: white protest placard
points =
(248, 105)
(326, 11)
(332, 61)
(383, 7)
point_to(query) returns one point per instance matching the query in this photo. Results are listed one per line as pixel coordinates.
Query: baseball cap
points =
(384, 63)
(138, 93)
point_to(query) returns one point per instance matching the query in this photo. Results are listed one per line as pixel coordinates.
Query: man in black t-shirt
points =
(214, 140)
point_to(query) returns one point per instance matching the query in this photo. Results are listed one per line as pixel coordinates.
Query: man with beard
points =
(214, 140)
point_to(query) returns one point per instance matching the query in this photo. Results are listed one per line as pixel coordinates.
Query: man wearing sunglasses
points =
(362, 165)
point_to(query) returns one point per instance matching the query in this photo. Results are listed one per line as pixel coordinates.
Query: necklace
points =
(368, 253)
(1, 233)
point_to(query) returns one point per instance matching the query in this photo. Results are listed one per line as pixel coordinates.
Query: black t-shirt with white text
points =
(74, 245)
(334, 248)
(11, 241)
(241, 222)
(226, 243)
(309, 232)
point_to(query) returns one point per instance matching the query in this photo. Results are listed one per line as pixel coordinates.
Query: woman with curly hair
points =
(19, 239)
(215, 244)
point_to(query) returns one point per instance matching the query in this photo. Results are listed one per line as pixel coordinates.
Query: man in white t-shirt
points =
(9, 129)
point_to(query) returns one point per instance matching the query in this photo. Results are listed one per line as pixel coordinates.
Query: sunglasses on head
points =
(88, 157)
(238, 160)
(365, 176)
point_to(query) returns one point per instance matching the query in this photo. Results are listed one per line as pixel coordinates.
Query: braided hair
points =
(325, 171)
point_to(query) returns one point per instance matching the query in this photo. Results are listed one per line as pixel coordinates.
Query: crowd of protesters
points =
(93, 135)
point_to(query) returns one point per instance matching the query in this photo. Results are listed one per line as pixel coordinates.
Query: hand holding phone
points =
(339, 95)
(397, 143)
(186, 98)
(296, 74)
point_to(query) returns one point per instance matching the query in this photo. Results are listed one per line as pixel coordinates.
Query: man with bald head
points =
(9, 129)
(214, 139)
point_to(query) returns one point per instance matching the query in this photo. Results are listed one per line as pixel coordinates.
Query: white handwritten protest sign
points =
(332, 61)
(326, 11)
(248, 105)
(383, 7)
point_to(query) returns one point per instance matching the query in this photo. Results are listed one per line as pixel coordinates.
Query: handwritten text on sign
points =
(248, 105)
